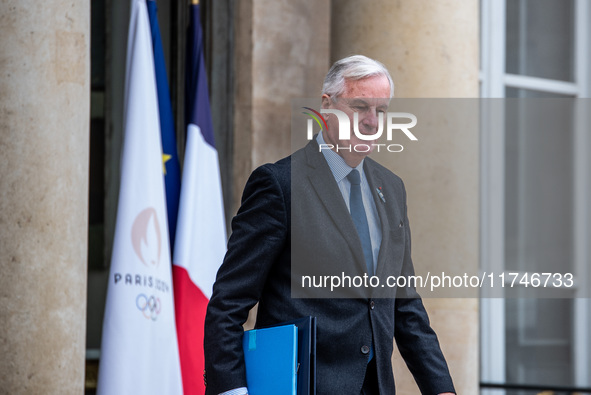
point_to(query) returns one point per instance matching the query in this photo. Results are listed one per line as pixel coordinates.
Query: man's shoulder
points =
(278, 169)
(278, 174)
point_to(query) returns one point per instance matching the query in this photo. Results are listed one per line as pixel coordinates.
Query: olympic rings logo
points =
(149, 306)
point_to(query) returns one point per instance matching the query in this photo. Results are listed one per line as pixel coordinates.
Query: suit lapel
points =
(375, 181)
(330, 196)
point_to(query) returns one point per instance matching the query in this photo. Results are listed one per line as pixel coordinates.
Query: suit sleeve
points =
(416, 340)
(259, 233)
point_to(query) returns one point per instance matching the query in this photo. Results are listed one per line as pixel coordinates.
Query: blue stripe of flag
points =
(172, 178)
(197, 96)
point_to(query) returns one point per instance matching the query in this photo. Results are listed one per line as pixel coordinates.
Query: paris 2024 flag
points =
(139, 352)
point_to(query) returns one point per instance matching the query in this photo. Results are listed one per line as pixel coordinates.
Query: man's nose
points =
(371, 119)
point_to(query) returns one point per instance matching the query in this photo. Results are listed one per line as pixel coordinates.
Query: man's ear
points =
(325, 101)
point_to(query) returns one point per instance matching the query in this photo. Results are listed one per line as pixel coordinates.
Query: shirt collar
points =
(340, 169)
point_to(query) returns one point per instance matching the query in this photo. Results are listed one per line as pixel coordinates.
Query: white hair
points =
(354, 67)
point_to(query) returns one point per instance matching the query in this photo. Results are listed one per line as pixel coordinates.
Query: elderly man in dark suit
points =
(327, 211)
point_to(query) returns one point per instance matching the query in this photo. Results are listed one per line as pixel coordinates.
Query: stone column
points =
(431, 50)
(282, 53)
(44, 137)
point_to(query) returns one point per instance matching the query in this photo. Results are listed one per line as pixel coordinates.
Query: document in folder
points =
(270, 356)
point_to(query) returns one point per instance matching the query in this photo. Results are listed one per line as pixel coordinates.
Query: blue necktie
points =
(360, 219)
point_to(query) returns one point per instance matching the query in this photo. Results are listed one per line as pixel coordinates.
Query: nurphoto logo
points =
(369, 143)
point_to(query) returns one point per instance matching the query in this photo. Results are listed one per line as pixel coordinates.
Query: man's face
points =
(368, 97)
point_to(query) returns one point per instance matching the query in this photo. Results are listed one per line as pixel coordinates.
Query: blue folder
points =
(270, 356)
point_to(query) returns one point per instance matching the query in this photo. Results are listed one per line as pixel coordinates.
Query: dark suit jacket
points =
(293, 219)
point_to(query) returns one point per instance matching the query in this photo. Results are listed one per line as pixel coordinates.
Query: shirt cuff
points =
(236, 391)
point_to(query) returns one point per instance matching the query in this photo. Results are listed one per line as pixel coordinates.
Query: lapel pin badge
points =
(380, 194)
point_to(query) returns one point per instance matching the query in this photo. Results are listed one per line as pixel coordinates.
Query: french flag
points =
(200, 243)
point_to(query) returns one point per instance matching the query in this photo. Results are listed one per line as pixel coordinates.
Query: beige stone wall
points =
(44, 136)
(431, 49)
(282, 53)
(429, 46)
